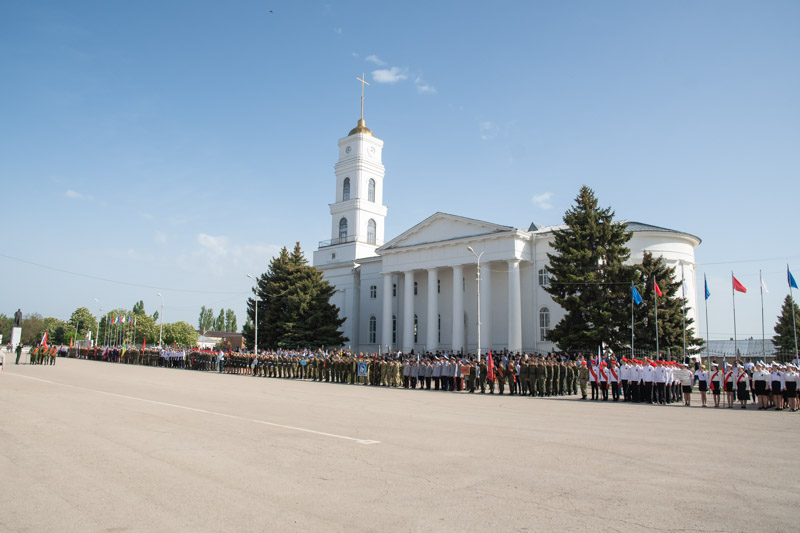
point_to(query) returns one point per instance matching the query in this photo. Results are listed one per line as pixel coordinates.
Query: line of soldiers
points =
(523, 375)
(43, 355)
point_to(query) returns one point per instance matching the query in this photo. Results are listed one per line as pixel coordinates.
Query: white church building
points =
(419, 290)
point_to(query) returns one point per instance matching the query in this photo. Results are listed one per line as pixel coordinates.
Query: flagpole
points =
(763, 337)
(733, 295)
(655, 297)
(789, 280)
(632, 356)
(705, 300)
(683, 293)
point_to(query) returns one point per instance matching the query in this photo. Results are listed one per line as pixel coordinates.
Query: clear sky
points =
(174, 146)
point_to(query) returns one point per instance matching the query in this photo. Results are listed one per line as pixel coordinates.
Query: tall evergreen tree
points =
(230, 321)
(294, 309)
(588, 277)
(219, 325)
(784, 335)
(670, 308)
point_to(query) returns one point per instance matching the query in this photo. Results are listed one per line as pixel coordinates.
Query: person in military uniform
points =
(500, 375)
(472, 376)
(583, 378)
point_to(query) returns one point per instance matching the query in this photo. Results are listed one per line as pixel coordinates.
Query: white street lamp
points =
(161, 316)
(255, 326)
(478, 257)
(99, 314)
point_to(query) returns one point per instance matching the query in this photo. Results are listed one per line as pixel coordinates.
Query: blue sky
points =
(175, 146)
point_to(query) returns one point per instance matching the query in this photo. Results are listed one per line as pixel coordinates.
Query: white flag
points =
(764, 286)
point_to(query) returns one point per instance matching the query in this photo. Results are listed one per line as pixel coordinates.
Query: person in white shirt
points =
(791, 380)
(702, 383)
(684, 375)
(776, 383)
(728, 377)
(593, 379)
(742, 386)
(760, 386)
(437, 373)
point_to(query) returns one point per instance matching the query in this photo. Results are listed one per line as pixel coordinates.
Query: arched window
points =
(346, 189)
(371, 190)
(394, 329)
(544, 323)
(544, 277)
(373, 328)
(343, 229)
(371, 230)
(416, 327)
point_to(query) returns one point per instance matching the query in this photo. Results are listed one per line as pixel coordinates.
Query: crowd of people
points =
(655, 382)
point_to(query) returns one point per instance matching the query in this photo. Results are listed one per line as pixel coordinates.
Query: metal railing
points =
(344, 240)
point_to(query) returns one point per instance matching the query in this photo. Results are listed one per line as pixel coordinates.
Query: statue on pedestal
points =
(17, 318)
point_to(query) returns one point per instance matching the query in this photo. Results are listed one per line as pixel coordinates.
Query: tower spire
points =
(363, 82)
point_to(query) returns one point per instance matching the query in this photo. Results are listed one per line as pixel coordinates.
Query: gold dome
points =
(361, 128)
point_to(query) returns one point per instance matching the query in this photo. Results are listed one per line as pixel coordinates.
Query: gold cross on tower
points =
(363, 82)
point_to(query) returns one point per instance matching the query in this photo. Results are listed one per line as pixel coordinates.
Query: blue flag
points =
(790, 278)
(637, 298)
(705, 281)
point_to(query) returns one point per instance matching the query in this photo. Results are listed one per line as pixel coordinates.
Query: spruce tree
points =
(670, 308)
(294, 309)
(784, 338)
(588, 277)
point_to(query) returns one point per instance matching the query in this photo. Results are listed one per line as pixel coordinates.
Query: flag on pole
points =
(708, 293)
(737, 285)
(144, 342)
(637, 298)
(490, 368)
(764, 286)
(658, 290)
(44, 340)
(790, 278)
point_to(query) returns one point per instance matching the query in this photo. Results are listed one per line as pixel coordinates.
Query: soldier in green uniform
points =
(482, 375)
(471, 377)
(583, 378)
(500, 375)
(562, 378)
(524, 376)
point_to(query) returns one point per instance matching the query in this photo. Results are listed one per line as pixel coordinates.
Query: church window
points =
(394, 329)
(438, 286)
(343, 229)
(394, 290)
(439, 331)
(373, 329)
(371, 231)
(346, 190)
(373, 292)
(371, 190)
(544, 323)
(416, 327)
(463, 284)
(544, 277)
(415, 288)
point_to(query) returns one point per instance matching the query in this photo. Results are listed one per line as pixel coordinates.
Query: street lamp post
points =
(478, 257)
(99, 314)
(255, 324)
(161, 316)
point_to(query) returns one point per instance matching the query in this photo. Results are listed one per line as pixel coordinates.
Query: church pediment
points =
(443, 227)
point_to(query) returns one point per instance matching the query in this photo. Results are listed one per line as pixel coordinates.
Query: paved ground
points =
(89, 446)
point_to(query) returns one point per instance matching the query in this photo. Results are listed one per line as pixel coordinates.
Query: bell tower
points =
(358, 213)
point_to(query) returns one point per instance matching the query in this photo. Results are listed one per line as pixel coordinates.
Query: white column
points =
(408, 312)
(486, 307)
(433, 310)
(514, 307)
(386, 320)
(458, 308)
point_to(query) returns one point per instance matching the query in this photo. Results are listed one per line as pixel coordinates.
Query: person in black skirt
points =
(742, 386)
(791, 380)
(729, 376)
(702, 382)
(776, 385)
(716, 383)
(760, 378)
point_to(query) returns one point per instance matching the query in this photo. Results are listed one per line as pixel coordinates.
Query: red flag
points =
(490, 366)
(658, 290)
(737, 286)
(144, 342)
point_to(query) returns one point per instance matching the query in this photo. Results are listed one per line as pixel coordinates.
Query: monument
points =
(16, 331)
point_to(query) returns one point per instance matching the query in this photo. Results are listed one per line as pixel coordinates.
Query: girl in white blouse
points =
(702, 382)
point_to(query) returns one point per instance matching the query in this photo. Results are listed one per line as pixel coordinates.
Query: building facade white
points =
(419, 290)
